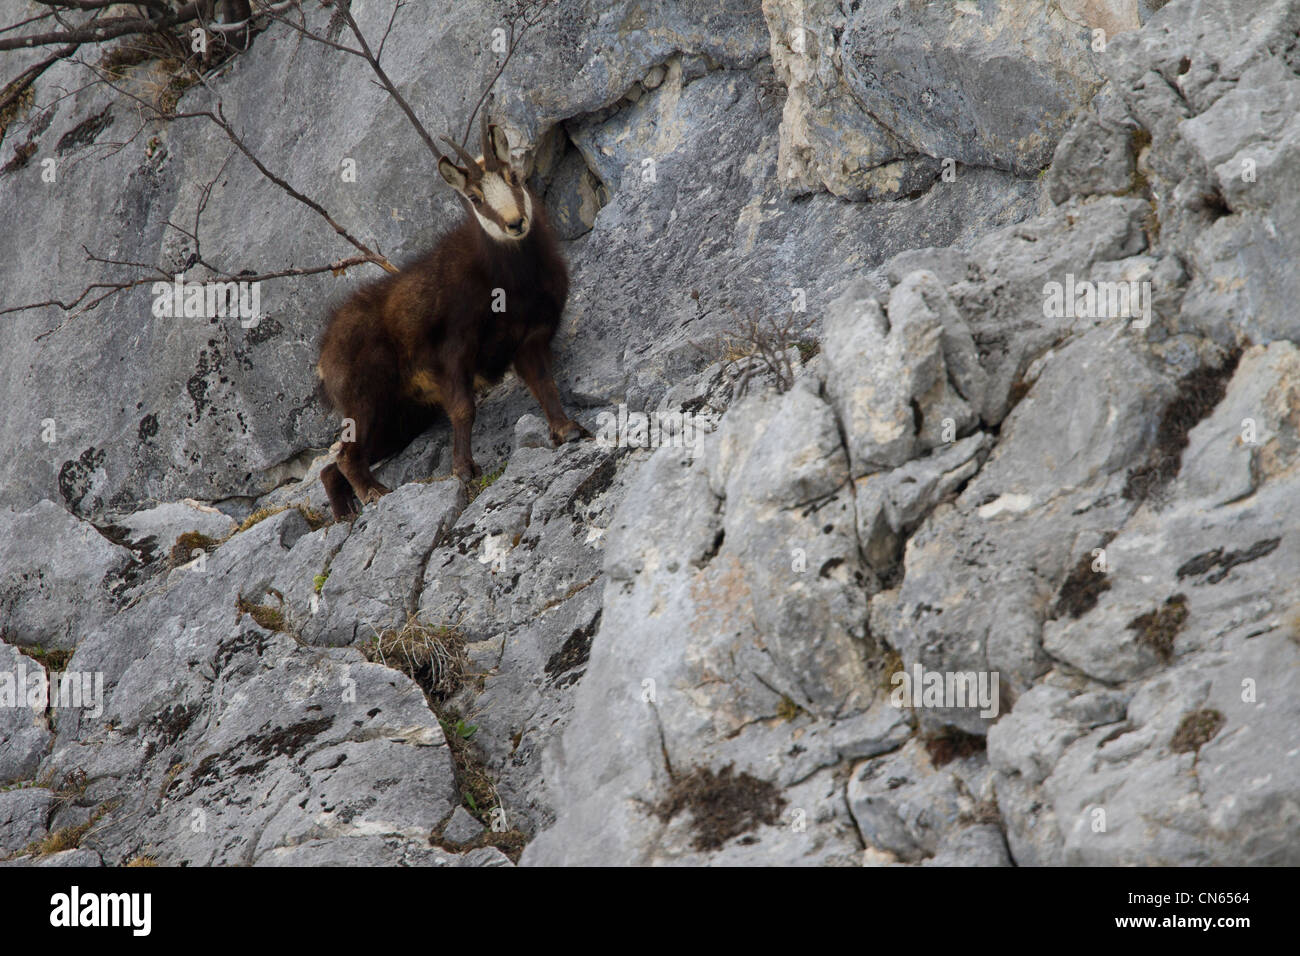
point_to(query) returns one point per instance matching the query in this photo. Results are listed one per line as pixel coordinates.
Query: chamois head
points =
(493, 189)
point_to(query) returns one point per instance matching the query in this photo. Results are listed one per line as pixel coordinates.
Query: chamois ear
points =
(456, 177)
(500, 145)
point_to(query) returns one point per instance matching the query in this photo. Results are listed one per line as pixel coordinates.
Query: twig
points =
(109, 28)
(515, 38)
(19, 84)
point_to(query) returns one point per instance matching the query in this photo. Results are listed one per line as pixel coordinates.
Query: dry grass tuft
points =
(431, 655)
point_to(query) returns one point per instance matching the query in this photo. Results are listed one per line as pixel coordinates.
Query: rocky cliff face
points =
(966, 462)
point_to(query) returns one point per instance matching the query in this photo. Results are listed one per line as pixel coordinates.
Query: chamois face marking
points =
(493, 189)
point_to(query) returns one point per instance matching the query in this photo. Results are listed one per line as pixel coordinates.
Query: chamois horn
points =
(489, 154)
(471, 164)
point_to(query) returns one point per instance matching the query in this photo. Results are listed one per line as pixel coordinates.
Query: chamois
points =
(488, 296)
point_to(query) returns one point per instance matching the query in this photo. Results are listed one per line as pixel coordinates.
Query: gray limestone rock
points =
(975, 473)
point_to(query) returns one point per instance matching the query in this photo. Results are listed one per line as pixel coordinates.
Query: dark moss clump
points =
(262, 747)
(787, 709)
(1207, 562)
(1082, 587)
(1196, 730)
(1157, 629)
(510, 842)
(1198, 394)
(267, 616)
(573, 656)
(169, 725)
(723, 805)
(287, 741)
(953, 744)
(183, 550)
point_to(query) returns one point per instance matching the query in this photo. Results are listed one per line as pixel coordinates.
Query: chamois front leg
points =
(533, 364)
(460, 409)
(354, 464)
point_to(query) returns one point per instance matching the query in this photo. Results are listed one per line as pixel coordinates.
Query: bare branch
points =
(84, 302)
(752, 344)
(388, 84)
(516, 36)
(220, 119)
(19, 84)
(22, 23)
(97, 31)
(384, 39)
(159, 5)
(301, 28)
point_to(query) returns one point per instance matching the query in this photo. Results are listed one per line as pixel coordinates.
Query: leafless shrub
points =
(760, 345)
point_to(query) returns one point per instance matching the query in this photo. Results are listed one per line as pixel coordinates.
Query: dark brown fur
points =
(405, 344)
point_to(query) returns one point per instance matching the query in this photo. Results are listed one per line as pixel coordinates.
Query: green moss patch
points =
(315, 520)
(483, 482)
(53, 660)
(269, 617)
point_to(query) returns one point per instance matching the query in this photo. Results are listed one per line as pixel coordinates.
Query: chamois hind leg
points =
(458, 402)
(533, 363)
(371, 398)
(386, 437)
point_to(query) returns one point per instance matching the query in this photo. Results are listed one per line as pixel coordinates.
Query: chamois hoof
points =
(466, 473)
(343, 511)
(567, 433)
(372, 495)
